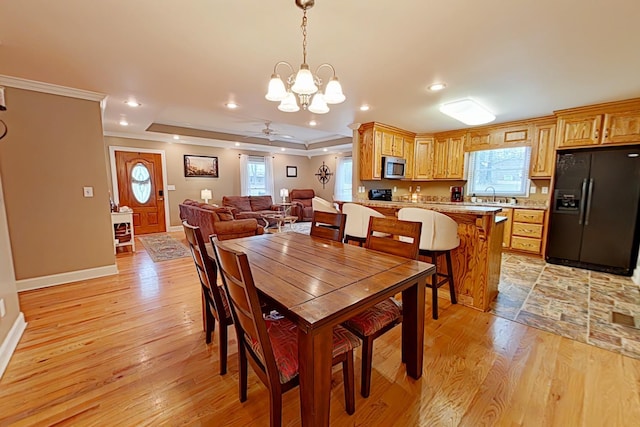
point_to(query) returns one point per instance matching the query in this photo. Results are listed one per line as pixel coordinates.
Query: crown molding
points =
(19, 83)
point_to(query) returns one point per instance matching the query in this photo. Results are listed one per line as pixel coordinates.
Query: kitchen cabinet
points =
(409, 151)
(448, 157)
(527, 230)
(506, 236)
(423, 168)
(610, 123)
(543, 150)
(378, 140)
(488, 138)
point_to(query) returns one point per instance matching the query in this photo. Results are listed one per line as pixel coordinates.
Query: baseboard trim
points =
(175, 228)
(62, 278)
(11, 342)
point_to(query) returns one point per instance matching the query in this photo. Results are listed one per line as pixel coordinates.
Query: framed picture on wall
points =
(202, 166)
(292, 171)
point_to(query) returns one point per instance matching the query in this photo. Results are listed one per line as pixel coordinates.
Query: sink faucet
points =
(494, 193)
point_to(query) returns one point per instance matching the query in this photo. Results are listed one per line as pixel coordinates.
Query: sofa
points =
(218, 220)
(301, 205)
(250, 206)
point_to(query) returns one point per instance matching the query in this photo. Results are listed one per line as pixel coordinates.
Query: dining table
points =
(319, 284)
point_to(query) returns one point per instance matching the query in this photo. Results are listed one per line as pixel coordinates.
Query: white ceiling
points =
(184, 60)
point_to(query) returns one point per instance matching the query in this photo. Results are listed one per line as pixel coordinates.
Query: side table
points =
(125, 218)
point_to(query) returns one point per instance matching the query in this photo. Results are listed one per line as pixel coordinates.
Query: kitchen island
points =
(476, 262)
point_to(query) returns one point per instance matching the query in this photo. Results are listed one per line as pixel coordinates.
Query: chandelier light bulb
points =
(318, 104)
(277, 91)
(289, 104)
(304, 84)
(333, 92)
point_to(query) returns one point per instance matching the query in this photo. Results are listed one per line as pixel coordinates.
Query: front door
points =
(140, 188)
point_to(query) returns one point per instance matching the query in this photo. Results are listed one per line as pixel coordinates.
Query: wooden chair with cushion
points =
(396, 237)
(328, 225)
(357, 222)
(439, 237)
(214, 301)
(271, 346)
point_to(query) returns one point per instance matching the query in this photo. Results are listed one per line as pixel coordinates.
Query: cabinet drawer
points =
(528, 215)
(527, 230)
(526, 244)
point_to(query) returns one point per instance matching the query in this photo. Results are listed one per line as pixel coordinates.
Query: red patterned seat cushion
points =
(225, 303)
(375, 318)
(283, 334)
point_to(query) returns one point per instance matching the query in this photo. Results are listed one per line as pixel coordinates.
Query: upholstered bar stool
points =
(357, 224)
(439, 237)
(322, 205)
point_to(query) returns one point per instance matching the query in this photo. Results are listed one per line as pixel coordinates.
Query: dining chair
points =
(395, 237)
(320, 204)
(357, 222)
(439, 237)
(328, 225)
(214, 301)
(271, 345)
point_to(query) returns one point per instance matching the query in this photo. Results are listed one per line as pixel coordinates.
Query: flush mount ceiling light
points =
(468, 112)
(364, 107)
(231, 105)
(437, 86)
(133, 103)
(304, 83)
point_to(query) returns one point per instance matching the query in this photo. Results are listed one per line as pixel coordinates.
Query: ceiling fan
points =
(270, 133)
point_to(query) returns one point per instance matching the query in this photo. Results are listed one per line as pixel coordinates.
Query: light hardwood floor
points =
(129, 350)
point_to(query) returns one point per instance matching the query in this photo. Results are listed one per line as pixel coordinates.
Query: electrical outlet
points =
(88, 191)
(533, 189)
(3, 309)
(545, 190)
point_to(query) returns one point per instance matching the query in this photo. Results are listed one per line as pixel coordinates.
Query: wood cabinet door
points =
(370, 159)
(455, 158)
(409, 155)
(377, 155)
(423, 158)
(440, 163)
(543, 151)
(579, 131)
(621, 127)
(387, 143)
(478, 140)
(398, 146)
(506, 237)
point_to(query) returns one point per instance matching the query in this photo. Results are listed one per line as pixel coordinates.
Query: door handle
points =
(582, 201)
(588, 213)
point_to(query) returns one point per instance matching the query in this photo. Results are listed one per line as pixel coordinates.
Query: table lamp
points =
(206, 195)
(284, 193)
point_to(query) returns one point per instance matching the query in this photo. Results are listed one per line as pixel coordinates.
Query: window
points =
(344, 172)
(257, 177)
(505, 170)
(141, 183)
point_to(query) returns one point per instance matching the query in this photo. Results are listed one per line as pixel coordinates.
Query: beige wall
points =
(53, 148)
(8, 290)
(228, 182)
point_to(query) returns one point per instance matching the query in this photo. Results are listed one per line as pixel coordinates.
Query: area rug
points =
(578, 304)
(162, 247)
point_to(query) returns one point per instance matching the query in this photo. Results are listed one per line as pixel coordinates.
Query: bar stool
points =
(357, 224)
(439, 237)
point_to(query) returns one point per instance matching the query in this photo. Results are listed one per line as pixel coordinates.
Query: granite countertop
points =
(432, 204)
(455, 208)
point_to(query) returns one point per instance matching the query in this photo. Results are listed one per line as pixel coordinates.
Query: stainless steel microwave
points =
(393, 167)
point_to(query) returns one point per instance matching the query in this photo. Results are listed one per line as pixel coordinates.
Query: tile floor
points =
(571, 302)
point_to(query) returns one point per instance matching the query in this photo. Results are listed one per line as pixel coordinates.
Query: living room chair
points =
(320, 204)
(301, 205)
(439, 237)
(357, 222)
(214, 301)
(395, 237)
(328, 225)
(271, 346)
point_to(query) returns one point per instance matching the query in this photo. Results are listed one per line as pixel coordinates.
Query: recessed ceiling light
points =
(176, 136)
(123, 122)
(437, 86)
(282, 149)
(132, 103)
(324, 149)
(312, 123)
(364, 107)
(232, 105)
(468, 112)
(237, 144)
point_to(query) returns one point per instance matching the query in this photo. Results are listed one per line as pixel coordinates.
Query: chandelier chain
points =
(304, 35)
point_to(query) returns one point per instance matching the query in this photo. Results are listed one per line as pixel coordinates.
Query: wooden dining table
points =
(318, 284)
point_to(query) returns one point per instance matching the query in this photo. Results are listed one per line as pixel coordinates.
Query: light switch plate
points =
(533, 189)
(88, 191)
(545, 190)
(171, 187)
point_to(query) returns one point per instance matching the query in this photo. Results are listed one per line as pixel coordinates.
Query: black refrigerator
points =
(594, 220)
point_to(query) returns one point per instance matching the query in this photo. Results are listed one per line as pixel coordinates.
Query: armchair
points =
(301, 205)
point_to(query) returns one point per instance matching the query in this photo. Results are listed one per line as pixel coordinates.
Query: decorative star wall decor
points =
(324, 174)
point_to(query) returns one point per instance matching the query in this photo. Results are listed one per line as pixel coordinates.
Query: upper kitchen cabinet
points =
(487, 138)
(378, 140)
(610, 123)
(409, 154)
(543, 149)
(448, 156)
(423, 162)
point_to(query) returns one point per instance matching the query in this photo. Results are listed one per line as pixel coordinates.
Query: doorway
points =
(139, 183)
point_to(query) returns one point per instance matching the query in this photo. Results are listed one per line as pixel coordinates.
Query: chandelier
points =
(305, 84)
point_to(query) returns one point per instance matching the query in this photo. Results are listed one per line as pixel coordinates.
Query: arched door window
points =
(141, 183)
